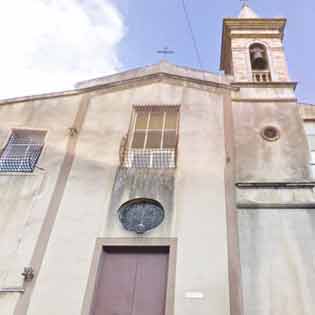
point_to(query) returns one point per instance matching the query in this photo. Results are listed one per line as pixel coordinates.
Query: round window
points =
(141, 215)
(270, 133)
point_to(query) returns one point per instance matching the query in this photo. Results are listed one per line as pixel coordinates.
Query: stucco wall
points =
(277, 258)
(194, 195)
(261, 160)
(24, 199)
(195, 200)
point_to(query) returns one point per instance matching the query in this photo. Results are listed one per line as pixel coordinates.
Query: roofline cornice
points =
(123, 83)
(273, 84)
(255, 23)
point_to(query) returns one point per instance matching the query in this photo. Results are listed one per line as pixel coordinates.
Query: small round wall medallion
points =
(270, 133)
(141, 215)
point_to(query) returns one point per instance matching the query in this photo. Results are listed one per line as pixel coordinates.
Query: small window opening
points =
(270, 133)
(22, 151)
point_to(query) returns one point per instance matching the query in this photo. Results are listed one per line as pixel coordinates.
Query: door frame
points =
(171, 243)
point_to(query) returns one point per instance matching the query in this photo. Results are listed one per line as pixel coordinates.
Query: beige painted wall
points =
(198, 216)
(277, 257)
(193, 195)
(261, 160)
(24, 199)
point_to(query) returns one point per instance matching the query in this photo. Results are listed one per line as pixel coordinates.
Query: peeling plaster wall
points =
(277, 256)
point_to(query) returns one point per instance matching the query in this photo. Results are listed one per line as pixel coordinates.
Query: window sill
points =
(36, 172)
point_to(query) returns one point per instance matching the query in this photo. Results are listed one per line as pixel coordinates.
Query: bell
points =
(258, 59)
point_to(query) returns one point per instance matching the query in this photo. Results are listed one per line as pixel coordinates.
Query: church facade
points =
(163, 190)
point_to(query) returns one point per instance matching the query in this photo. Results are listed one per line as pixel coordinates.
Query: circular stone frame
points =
(141, 215)
(270, 133)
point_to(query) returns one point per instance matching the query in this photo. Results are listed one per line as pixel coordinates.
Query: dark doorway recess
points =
(131, 281)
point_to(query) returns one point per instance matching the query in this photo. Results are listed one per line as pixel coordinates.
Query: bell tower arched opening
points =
(259, 63)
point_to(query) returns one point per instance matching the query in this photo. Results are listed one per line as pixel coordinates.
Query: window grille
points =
(152, 158)
(22, 151)
(152, 142)
(309, 127)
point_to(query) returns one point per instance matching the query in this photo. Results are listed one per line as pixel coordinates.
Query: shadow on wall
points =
(133, 183)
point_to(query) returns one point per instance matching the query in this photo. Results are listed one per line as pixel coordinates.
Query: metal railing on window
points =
(149, 158)
(22, 151)
(20, 163)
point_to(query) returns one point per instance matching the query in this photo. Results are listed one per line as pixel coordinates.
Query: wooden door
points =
(131, 281)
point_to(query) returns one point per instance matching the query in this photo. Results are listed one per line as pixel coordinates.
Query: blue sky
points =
(154, 24)
(56, 43)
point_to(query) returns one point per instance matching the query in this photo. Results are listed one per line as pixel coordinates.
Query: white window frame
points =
(155, 158)
(147, 129)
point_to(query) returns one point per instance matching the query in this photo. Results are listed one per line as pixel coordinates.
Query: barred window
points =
(153, 138)
(22, 151)
(309, 127)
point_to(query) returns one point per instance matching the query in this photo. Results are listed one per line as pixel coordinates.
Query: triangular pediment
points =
(162, 68)
(161, 71)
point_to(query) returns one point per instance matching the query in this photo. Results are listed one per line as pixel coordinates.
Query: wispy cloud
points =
(48, 45)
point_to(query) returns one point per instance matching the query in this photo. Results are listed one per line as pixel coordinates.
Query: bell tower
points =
(267, 126)
(252, 48)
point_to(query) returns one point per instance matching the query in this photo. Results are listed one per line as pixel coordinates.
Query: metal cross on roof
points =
(166, 51)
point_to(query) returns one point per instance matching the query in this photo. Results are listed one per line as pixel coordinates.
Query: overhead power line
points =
(195, 44)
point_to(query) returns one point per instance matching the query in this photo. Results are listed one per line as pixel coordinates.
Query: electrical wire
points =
(195, 44)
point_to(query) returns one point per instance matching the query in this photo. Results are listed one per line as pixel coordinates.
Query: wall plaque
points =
(141, 215)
